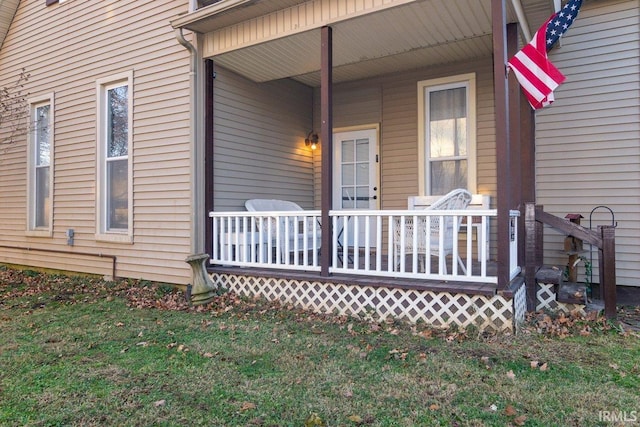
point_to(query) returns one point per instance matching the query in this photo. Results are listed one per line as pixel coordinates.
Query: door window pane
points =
(362, 150)
(347, 151)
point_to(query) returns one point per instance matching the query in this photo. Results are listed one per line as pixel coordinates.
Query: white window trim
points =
(462, 80)
(116, 236)
(32, 230)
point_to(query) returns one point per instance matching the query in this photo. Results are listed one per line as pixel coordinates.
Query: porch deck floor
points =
(471, 288)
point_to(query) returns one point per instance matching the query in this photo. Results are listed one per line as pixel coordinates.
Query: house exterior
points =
(76, 53)
(154, 122)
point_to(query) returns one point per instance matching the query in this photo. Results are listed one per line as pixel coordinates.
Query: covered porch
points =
(331, 68)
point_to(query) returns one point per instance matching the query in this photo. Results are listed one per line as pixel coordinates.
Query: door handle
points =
(374, 197)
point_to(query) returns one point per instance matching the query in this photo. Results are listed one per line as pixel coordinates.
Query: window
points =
(40, 175)
(114, 160)
(446, 116)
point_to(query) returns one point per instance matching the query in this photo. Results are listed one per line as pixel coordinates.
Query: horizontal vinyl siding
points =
(259, 132)
(588, 141)
(66, 48)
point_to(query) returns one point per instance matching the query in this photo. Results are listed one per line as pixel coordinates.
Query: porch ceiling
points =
(409, 36)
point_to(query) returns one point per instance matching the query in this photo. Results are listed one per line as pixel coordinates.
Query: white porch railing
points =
(371, 242)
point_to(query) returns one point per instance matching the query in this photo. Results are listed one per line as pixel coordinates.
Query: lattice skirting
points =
(439, 309)
(546, 297)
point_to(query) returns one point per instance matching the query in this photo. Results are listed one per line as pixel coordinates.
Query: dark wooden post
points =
(209, 76)
(607, 267)
(531, 266)
(326, 132)
(539, 237)
(498, 19)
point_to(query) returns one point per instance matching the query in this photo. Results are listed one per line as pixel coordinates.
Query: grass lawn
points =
(80, 351)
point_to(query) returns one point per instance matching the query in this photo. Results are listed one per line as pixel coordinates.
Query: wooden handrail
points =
(569, 228)
(603, 239)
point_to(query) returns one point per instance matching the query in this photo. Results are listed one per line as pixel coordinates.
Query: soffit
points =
(7, 11)
(409, 36)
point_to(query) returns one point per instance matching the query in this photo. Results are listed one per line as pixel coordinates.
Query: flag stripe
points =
(531, 66)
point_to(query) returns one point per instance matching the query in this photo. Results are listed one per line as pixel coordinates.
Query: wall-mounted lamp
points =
(312, 140)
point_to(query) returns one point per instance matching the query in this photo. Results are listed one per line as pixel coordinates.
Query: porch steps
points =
(567, 292)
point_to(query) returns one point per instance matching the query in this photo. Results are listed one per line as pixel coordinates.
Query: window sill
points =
(39, 233)
(114, 238)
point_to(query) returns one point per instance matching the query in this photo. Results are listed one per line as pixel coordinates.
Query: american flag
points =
(531, 66)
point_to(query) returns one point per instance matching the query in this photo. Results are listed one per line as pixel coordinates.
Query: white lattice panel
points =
(520, 306)
(546, 297)
(438, 309)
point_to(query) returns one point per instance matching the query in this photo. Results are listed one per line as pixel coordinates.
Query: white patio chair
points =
(295, 231)
(454, 200)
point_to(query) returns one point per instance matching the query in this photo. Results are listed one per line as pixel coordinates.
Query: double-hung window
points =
(446, 126)
(39, 170)
(114, 198)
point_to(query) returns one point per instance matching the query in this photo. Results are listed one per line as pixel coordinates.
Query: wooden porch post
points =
(326, 132)
(208, 154)
(522, 144)
(498, 18)
(533, 245)
(607, 269)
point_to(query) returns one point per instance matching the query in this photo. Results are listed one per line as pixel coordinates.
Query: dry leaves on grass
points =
(518, 420)
(563, 325)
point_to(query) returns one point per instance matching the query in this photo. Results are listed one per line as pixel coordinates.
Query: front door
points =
(355, 170)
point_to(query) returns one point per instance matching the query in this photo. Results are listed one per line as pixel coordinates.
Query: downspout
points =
(522, 19)
(196, 201)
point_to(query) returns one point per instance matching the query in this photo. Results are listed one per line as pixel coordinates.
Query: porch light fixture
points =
(312, 140)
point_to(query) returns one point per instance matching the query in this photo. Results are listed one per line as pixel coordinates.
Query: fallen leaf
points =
(511, 375)
(613, 366)
(534, 364)
(520, 420)
(543, 367)
(485, 359)
(434, 407)
(314, 420)
(207, 354)
(258, 421)
(355, 418)
(510, 411)
(246, 406)
(493, 407)
(159, 403)
(427, 333)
